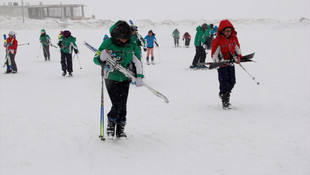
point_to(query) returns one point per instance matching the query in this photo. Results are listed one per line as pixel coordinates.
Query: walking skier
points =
(176, 37)
(67, 44)
(200, 40)
(209, 37)
(226, 47)
(150, 40)
(138, 39)
(45, 40)
(10, 45)
(121, 48)
(187, 38)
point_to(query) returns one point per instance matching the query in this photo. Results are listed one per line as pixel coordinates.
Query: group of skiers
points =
(176, 36)
(125, 46)
(67, 45)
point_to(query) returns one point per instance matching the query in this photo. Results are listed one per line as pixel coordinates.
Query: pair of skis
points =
(246, 58)
(7, 55)
(112, 64)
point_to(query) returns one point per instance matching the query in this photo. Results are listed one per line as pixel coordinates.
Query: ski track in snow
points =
(49, 124)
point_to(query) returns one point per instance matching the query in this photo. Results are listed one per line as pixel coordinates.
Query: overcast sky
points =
(190, 9)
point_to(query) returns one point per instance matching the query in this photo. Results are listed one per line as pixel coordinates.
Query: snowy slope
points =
(49, 124)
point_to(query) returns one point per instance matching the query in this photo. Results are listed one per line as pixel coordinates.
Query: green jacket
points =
(176, 34)
(201, 35)
(67, 44)
(135, 39)
(126, 53)
(45, 38)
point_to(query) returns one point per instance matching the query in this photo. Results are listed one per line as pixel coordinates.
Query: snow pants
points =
(13, 64)
(46, 52)
(208, 42)
(187, 41)
(66, 62)
(176, 42)
(200, 55)
(118, 93)
(227, 79)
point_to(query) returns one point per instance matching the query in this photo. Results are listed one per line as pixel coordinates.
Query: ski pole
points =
(39, 51)
(23, 44)
(101, 136)
(78, 59)
(158, 52)
(253, 78)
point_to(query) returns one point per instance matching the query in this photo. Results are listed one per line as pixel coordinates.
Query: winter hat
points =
(43, 31)
(121, 30)
(66, 34)
(134, 28)
(12, 33)
(204, 26)
(211, 26)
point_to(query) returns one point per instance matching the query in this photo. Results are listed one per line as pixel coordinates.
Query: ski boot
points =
(111, 129)
(64, 73)
(152, 60)
(147, 61)
(226, 100)
(153, 63)
(120, 130)
(8, 71)
(70, 74)
(193, 66)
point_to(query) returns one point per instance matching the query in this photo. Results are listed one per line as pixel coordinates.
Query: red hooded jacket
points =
(227, 45)
(12, 45)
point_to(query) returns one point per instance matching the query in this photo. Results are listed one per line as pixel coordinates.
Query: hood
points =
(223, 25)
(120, 29)
(199, 29)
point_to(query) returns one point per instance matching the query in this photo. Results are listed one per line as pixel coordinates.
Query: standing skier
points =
(138, 39)
(187, 38)
(176, 37)
(67, 44)
(117, 84)
(150, 40)
(10, 45)
(45, 40)
(200, 40)
(226, 47)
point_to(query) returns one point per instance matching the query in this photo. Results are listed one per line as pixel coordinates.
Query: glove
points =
(104, 55)
(238, 59)
(139, 82)
(145, 49)
(11, 51)
(216, 59)
(76, 51)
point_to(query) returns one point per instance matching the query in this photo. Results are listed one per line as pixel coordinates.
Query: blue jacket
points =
(150, 41)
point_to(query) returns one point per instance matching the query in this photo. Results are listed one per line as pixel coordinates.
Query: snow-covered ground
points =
(49, 124)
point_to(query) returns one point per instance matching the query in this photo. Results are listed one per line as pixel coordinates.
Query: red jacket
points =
(187, 37)
(227, 45)
(12, 45)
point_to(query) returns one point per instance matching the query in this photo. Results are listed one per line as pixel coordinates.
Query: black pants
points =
(187, 41)
(209, 42)
(118, 93)
(46, 52)
(200, 55)
(13, 63)
(227, 79)
(176, 41)
(66, 62)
